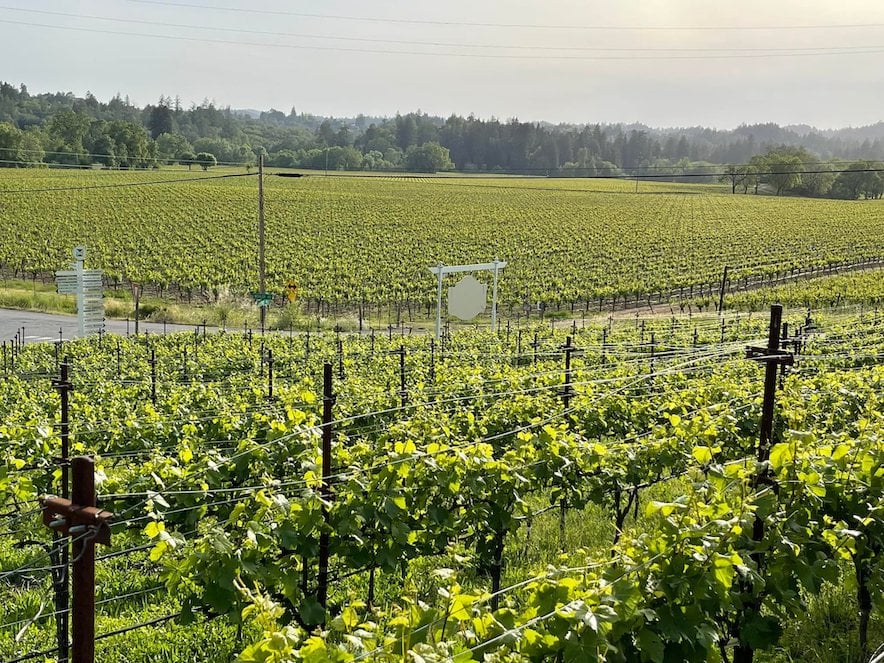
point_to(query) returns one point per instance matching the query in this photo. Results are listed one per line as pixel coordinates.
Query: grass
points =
(229, 312)
(24, 296)
(216, 640)
(828, 631)
(41, 297)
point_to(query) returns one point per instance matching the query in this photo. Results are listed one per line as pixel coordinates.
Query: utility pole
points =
(261, 263)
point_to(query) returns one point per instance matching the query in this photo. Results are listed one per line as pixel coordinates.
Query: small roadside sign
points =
(263, 299)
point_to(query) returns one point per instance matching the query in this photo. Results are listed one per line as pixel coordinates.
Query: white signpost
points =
(88, 286)
(468, 298)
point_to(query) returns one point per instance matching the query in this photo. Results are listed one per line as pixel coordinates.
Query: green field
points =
(346, 240)
(865, 287)
(588, 490)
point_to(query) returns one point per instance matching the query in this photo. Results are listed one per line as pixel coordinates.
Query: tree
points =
(375, 138)
(160, 121)
(873, 186)
(31, 148)
(818, 181)
(206, 160)
(103, 151)
(735, 175)
(325, 133)
(406, 131)
(374, 160)
(428, 158)
(10, 145)
(133, 147)
(859, 180)
(170, 147)
(67, 129)
(260, 151)
(187, 159)
(785, 171)
(273, 116)
(283, 159)
(223, 149)
(335, 158)
(246, 156)
(757, 165)
(343, 138)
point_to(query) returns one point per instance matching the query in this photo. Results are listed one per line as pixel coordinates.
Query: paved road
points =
(45, 326)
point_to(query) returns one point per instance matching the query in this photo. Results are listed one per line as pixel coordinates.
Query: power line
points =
(409, 42)
(453, 182)
(229, 42)
(56, 165)
(126, 184)
(372, 19)
(193, 162)
(537, 169)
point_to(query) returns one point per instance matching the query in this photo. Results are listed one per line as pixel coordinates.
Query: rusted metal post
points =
(83, 575)
(86, 525)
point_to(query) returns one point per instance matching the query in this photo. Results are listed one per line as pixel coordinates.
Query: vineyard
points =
(366, 243)
(834, 291)
(601, 492)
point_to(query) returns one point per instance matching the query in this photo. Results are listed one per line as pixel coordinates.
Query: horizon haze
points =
(678, 63)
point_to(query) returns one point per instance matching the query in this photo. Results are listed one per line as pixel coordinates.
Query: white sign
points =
(468, 298)
(442, 270)
(66, 283)
(88, 286)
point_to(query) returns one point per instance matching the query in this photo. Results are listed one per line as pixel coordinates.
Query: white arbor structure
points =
(468, 298)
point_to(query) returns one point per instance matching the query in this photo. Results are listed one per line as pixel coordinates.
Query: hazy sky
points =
(661, 62)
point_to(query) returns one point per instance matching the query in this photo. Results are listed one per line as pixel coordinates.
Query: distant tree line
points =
(795, 170)
(61, 128)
